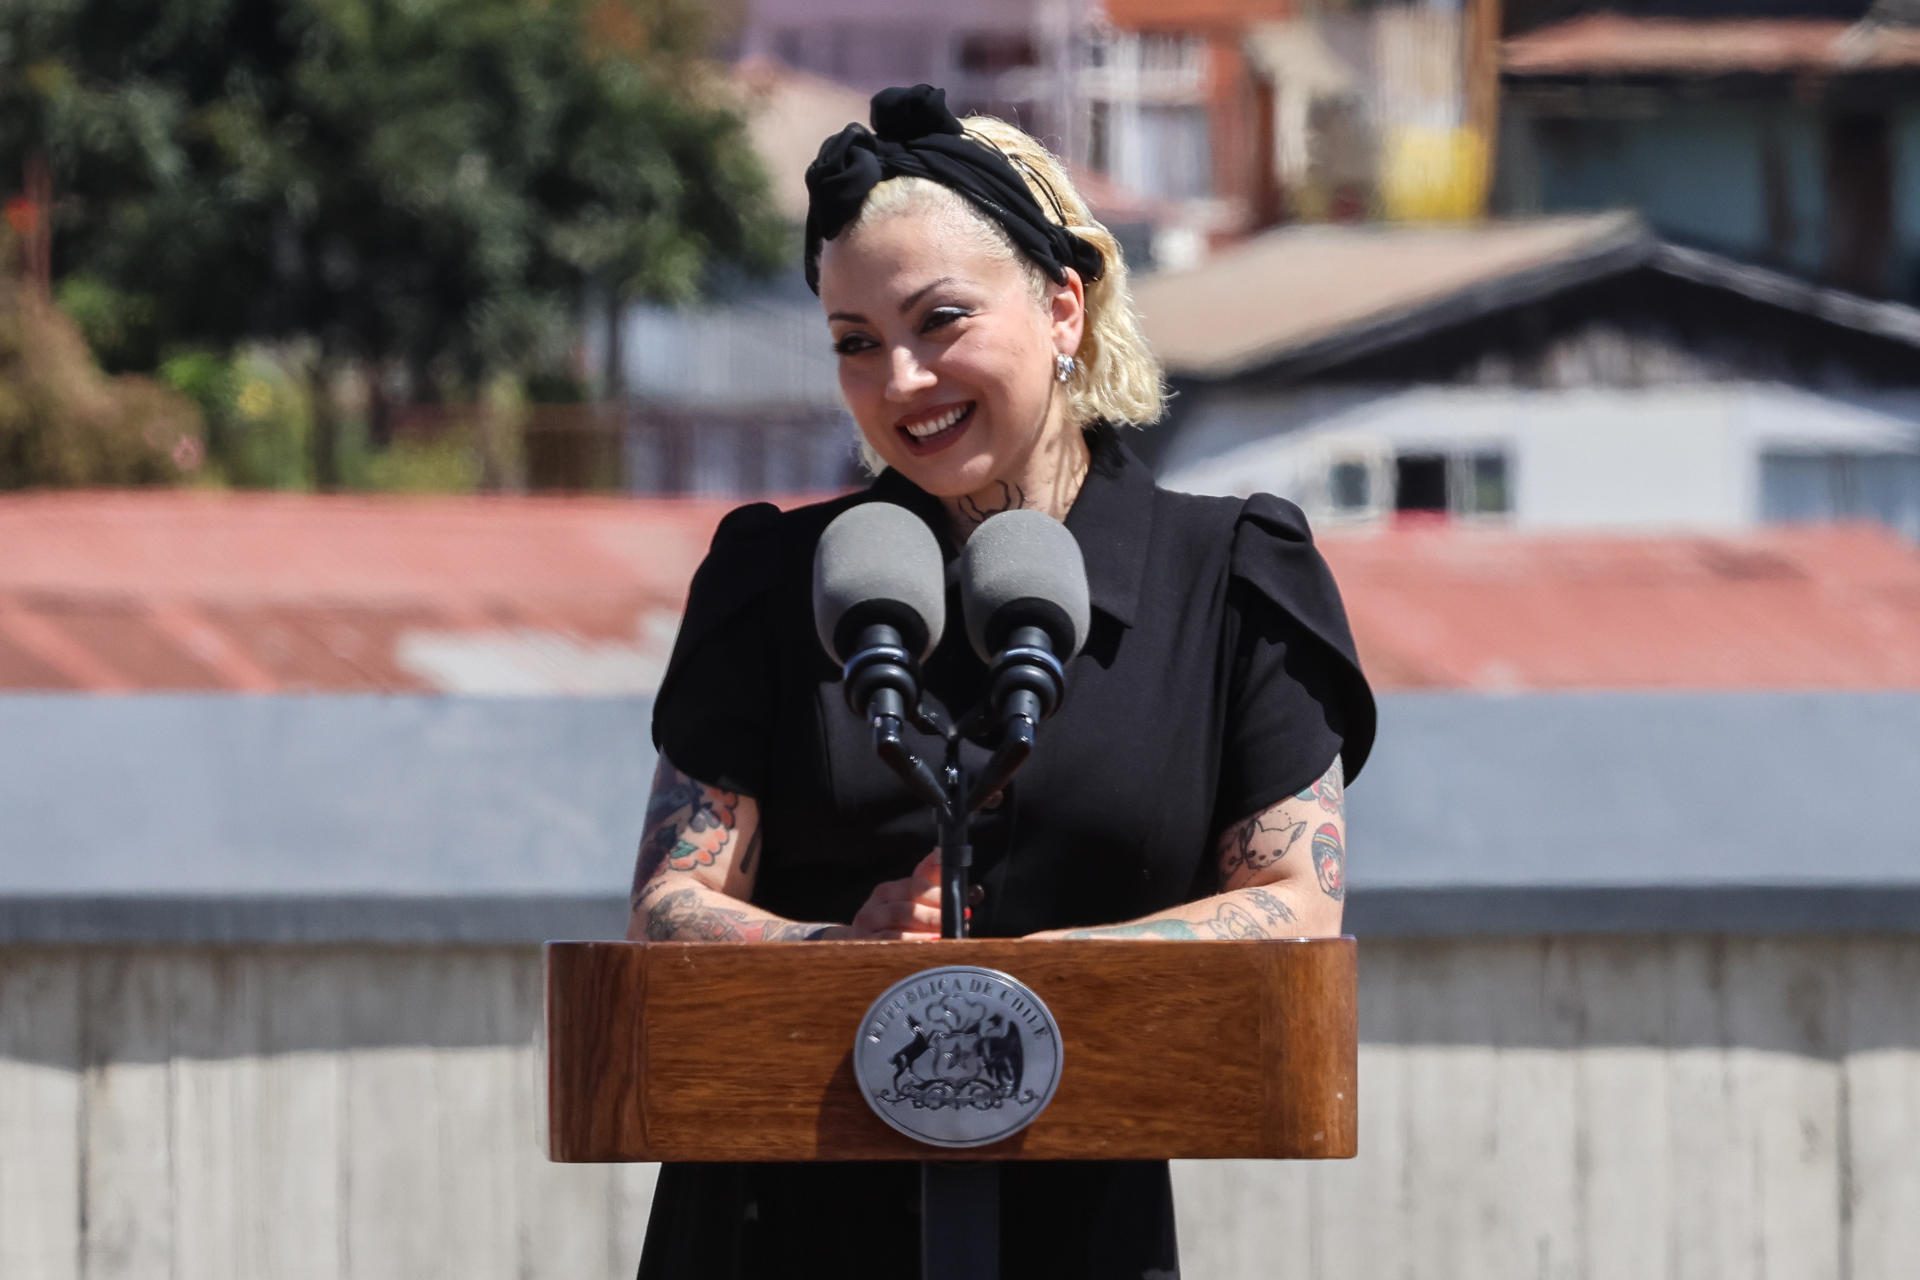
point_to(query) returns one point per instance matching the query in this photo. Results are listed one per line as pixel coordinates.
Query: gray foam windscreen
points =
(884, 556)
(1014, 559)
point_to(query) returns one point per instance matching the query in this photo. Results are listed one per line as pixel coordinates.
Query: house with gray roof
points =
(1563, 373)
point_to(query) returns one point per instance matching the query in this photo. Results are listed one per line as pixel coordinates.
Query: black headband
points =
(914, 135)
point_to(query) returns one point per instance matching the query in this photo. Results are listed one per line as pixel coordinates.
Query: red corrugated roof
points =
(159, 591)
(1817, 607)
(1610, 44)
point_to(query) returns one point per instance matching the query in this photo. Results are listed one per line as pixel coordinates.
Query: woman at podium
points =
(1191, 787)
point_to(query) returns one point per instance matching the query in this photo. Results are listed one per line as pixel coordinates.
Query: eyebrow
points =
(906, 305)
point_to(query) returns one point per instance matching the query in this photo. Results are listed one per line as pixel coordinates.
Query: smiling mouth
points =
(931, 432)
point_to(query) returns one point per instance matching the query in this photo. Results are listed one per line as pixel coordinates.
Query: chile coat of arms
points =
(958, 1056)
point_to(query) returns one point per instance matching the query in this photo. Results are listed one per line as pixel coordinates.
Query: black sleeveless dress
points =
(1218, 678)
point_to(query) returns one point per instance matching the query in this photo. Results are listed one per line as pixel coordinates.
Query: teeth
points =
(934, 426)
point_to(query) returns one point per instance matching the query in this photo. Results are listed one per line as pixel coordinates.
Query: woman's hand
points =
(907, 909)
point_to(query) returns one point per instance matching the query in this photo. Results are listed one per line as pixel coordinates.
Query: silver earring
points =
(1063, 367)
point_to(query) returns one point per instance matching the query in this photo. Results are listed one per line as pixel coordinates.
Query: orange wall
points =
(1195, 15)
(1237, 104)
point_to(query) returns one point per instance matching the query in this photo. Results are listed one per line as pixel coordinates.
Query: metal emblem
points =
(958, 1056)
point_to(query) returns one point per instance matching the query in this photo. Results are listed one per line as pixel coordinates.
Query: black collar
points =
(1111, 518)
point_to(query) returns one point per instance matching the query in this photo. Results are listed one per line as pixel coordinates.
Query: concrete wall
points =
(1682, 1106)
(1678, 457)
(288, 1114)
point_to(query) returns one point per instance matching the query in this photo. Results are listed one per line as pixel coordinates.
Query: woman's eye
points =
(942, 316)
(852, 344)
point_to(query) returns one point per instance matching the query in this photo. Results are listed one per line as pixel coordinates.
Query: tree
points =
(63, 422)
(423, 182)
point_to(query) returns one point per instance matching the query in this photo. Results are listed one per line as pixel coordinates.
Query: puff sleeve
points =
(1296, 692)
(711, 714)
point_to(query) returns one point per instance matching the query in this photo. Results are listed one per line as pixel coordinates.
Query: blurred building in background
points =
(1716, 360)
(1781, 133)
(1573, 373)
(1009, 58)
(1259, 113)
(1226, 117)
(737, 394)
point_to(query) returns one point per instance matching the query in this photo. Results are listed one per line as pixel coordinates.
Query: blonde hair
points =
(1116, 378)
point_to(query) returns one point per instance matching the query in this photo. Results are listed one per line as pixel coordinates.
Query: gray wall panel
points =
(508, 819)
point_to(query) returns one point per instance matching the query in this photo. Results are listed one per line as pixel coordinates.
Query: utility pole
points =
(31, 217)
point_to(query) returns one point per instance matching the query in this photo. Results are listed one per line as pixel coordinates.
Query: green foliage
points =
(64, 422)
(430, 183)
(208, 379)
(397, 178)
(256, 416)
(118, 326)
(555, 386)
(445, 465)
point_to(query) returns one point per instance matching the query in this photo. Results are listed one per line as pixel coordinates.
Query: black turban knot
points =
(914, 135)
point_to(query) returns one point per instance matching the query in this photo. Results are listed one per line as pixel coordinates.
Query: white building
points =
(1566, 373)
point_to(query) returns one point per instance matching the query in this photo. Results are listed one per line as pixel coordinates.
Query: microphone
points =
(1023, 590)
(879, 604)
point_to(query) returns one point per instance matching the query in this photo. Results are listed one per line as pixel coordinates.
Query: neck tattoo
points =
(1049, 486)
(1010, 498)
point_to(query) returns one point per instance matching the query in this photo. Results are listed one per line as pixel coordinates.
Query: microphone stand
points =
(959, 1202)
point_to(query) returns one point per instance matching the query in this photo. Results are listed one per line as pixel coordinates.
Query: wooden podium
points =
(1170, 1050)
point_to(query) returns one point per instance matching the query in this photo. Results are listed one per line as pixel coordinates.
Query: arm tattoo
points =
(1262, 841)
(1232, 920)
(1330, 790)
(1143, 929)
(645, 891)
(1330, 861)
(1271, 906)
(1012, 496)
(1258, 843)
(1329, 850)
(682, 916)
(1238, 917)
(689, 824)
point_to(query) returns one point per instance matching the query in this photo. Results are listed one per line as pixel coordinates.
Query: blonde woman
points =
(1191, 786)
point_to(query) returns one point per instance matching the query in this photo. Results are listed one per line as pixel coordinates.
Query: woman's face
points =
(946, 355)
